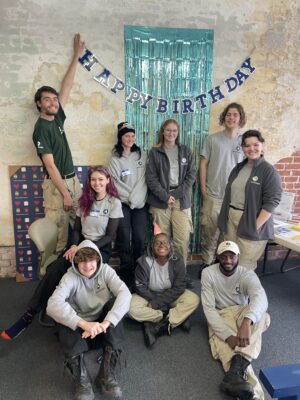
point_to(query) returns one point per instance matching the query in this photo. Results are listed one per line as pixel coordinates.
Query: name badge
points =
(94, 213)
(125, 172)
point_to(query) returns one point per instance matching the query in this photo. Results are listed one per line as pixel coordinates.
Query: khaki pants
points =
(177, 224)
(180, 309)
(209, 227)
(251, 250)
(53, 204)
(233, 317)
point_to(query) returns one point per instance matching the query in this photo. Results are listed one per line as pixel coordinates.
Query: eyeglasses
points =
(161, 243)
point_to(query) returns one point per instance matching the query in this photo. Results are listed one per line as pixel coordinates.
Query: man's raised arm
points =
(68, 80)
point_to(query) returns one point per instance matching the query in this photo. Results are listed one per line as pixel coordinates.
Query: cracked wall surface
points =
(36, 47)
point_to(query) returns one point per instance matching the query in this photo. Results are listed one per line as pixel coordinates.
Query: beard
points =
(49, 112)
(229, 272)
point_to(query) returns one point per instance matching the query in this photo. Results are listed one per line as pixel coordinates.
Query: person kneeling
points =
(161, 301)
(90, 318)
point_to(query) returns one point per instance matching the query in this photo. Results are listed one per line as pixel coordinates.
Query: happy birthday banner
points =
(185, 105)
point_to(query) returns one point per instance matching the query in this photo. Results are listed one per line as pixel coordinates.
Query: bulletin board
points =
(27, 206)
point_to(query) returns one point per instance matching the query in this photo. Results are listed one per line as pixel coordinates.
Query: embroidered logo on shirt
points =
(255, 180)
(105, 211)
(183, 160)
(39, 145)
(238, 290)
(61, 130)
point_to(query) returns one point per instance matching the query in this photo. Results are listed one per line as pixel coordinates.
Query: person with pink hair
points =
(97, 219)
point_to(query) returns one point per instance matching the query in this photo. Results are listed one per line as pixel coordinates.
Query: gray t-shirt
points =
(159, 279)
(222, 154)
(94, 225)
(172, 154)
(238, 187)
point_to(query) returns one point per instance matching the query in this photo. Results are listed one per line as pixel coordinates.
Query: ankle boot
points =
(83, 386)
(234, 382)
(106, 379)
(153, 330)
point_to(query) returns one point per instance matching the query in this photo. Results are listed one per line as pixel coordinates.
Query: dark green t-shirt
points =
(49, 138)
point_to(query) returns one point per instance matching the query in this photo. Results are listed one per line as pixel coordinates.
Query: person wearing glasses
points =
(161, 301)
(97, 220)
(170, 174)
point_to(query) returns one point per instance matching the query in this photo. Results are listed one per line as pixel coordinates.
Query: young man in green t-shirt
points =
(61, 187)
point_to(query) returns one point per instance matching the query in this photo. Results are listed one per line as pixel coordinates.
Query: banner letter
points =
(119, 85)
(247, 64)
(88, 60)
(175, 106)
(133, 96)
(145, 98)
(162, 106)
(214, 96)
(201, 98)
(103, 77)
(231, 83)
(187, 106)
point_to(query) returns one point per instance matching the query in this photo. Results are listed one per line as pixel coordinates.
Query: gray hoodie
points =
(80, 298)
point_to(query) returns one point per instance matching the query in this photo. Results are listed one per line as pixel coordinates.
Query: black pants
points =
(73, 344)
(50, 280)
(131, 236)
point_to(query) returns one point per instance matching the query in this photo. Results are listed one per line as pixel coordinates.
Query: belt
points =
(173, 187)
(68, 176)
(235, 208)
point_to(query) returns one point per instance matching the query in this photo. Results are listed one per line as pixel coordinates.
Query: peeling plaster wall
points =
(36, 46)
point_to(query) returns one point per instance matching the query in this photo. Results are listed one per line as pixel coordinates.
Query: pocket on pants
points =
(51, 195)
(188, 212)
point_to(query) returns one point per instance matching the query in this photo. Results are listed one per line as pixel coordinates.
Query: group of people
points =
(88, 299)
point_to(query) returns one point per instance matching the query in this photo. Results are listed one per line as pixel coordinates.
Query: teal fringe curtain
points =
(170, 64)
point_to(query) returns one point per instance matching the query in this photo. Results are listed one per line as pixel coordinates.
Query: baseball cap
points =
(228, 246)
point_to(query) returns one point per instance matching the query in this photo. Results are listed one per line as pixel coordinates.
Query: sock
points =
(19, 326)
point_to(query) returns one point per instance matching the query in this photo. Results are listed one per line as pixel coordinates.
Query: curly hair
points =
(241, 111)
(86, 254)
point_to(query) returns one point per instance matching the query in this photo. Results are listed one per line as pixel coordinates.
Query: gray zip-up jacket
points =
(177, 277)
(263, 191)
(157, 177)
(79, 298)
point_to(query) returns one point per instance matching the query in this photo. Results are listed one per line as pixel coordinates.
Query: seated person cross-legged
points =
(89, 304)
(161, 301)
(235, 305)
(97, 220)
